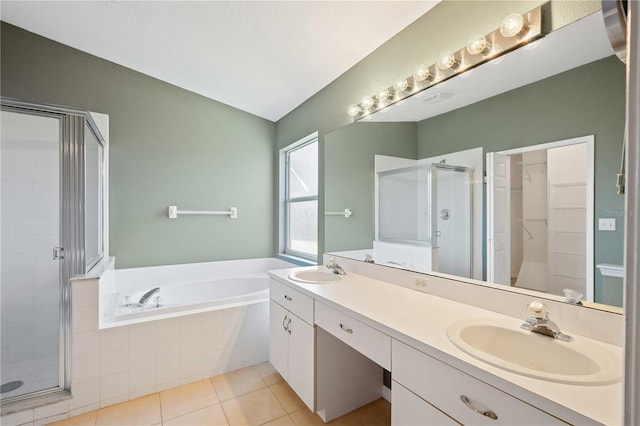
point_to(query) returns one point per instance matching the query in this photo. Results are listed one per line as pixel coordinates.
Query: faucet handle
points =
(538, 309)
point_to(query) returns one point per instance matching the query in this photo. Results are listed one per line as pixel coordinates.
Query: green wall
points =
(168, 146)
(447, 26)
(589, 100)
(350, 176)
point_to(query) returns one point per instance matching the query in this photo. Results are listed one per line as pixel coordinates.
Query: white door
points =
(498, 225)
(278, 338)
(302, 360)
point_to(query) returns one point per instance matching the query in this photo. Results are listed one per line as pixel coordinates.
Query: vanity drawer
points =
(293, 300)
(443, 386)
(408, 409)
(366, 340)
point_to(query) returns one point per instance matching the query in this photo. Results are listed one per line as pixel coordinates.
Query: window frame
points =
(286, 201)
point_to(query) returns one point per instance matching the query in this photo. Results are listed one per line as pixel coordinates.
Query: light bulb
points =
(354, 110)
(367, 102)
(478, 44)
(447, 60)
(402, 85)
(422, 73)
(513, 25)
(384, 95)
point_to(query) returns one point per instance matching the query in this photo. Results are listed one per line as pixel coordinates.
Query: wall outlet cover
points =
(607, 224)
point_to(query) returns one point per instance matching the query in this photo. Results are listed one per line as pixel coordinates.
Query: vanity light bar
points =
(515, 31)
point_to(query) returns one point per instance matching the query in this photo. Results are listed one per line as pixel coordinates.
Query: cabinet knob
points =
(289, 298)
(487, 413)
(289, 326)
(283, 323)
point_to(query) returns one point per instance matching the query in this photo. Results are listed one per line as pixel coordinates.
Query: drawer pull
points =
(283, 323)
(348, 330)
(487, 413)
(289, 298)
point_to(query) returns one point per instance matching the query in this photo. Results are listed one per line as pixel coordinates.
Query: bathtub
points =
(184, 289)
(194, 297)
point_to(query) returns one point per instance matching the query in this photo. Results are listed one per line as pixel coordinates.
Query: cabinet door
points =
(408, 409)
(302, 360)
(278, 338)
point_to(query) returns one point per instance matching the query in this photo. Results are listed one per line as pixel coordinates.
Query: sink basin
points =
(505, 345)
(315, 277)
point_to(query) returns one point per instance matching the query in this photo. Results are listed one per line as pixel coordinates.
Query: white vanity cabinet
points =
(460, 396)
(292, 340)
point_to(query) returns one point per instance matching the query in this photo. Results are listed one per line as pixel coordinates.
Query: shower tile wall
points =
(29, 164)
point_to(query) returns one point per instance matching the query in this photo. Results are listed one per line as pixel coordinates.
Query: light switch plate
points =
(607, 224)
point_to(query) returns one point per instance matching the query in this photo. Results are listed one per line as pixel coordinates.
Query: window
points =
(301, 198)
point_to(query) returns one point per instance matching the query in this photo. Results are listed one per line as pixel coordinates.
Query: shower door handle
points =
(58, 253)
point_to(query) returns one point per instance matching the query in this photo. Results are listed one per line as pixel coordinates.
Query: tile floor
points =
(252, 396)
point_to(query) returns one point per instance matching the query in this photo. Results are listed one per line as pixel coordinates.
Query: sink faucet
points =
(145, 297)
(335, 268)
(539, 322)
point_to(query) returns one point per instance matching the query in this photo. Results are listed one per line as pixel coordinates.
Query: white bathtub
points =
(184, 289)
(196, 297)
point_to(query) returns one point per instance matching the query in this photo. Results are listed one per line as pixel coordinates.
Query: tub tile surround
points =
(117, 364)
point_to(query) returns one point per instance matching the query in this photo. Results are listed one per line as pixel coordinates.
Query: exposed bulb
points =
(402, 85)
(513, 25)
(422, 73)
(384, 94)
(447, 60)
(354, 110)
(478, 44)
(367, 102)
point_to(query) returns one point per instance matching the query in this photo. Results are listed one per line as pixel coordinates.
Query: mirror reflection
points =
(412, 175)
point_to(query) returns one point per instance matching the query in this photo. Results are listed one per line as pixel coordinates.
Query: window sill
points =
(296, 260)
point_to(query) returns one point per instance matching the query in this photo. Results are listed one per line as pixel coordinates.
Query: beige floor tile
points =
(281, 421)
(269, 374)
(187, 398)
(141, 411)
(86, 419)
(376, 413)
(210, 416)
(239, 382)
(254, 408)
(305, 417)
(287, 397)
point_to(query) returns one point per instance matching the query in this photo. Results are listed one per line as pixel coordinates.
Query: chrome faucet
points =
(145, 297)
(539, 322)
(335, 268)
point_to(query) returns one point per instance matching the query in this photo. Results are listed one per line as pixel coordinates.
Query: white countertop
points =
(420, 320)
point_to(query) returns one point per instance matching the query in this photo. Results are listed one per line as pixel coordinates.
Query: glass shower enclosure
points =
(425, 213)
(51, 169)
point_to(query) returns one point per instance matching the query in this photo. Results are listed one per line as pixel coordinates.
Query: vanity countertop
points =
(420, 320)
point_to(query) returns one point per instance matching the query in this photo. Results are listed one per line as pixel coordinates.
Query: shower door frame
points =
(433, 194)
(71, 234)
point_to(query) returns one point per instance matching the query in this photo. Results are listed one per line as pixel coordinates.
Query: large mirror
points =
(420, 194)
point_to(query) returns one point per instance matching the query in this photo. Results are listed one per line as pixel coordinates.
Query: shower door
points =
(29, 265)
(451, 200)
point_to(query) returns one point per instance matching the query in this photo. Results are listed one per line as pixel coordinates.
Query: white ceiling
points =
(263, 57)
(579, 43)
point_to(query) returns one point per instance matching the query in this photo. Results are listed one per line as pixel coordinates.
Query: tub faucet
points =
(335, 268)
(539, 322)
(145, 297)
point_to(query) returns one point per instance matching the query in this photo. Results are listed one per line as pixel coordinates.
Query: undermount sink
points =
(315, 277)
(505, 345)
